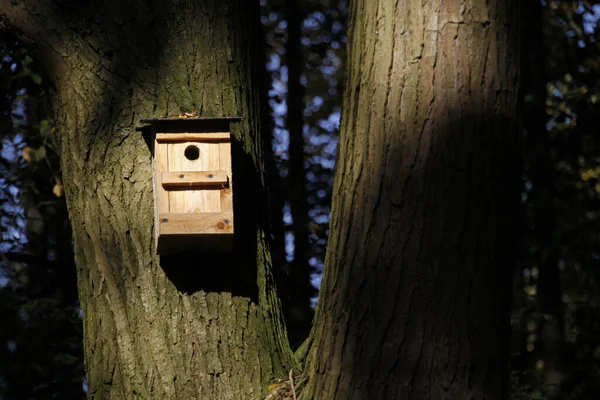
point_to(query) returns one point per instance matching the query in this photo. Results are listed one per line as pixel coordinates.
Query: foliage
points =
(571, 201)
(40, 334)
(324, 43)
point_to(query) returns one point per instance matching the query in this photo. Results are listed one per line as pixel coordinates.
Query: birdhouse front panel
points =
(192, 181)
(192, 185)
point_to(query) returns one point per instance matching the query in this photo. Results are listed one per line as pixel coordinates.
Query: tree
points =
(416, 291)
(415, 296)
(152, 329)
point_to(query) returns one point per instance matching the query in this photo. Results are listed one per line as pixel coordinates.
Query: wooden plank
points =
(209, 161)
(195, 137)
(161, 197)
(193, 198)
(234, 118)
(177, 200)
(195, 224)
(185, 179)
(225, 165)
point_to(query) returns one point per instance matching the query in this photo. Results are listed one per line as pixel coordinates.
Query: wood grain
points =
(186, 224)
(209, 161)
(177, 200)
(193, 179)
(197, 200)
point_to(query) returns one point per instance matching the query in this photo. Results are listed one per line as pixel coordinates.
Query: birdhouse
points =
(193, 197)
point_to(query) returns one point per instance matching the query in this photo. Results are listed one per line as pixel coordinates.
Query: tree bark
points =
(204, 326)
(415, 297)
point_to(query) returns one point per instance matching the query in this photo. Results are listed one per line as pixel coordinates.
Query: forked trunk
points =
(415, 295)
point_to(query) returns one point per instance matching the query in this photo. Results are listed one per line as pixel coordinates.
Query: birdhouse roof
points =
(190, 124)
(190, 119)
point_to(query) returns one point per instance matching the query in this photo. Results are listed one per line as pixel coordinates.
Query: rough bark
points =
(197, 326)
(299, 315)
(416, 292)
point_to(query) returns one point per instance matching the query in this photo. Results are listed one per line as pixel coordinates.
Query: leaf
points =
(39, 154)
(36, 79)
(28, 153)
(58, 189)
(531, 290)
(44, 127)
(539, 365)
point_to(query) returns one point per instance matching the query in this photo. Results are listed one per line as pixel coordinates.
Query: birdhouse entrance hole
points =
(192, 175)
(192, 153)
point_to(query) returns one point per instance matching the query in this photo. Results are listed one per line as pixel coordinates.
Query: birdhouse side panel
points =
(161, 197)
(225, 165)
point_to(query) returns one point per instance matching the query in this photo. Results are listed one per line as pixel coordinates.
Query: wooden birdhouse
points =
(193, 198)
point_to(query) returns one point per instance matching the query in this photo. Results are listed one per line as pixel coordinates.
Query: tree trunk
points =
(205, 326)
(415, 297)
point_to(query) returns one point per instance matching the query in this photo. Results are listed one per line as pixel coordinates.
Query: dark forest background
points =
(556, 304)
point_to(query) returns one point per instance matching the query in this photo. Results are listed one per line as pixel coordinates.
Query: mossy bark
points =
(415, 298)
(205, 326)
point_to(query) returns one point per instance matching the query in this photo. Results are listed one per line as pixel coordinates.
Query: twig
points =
(292, 384)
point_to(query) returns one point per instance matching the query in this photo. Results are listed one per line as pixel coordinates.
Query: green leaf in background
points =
(39, 154)
(44, 127)
(36, 79)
